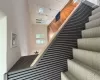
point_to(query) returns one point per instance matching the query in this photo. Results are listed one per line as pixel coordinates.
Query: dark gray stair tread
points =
(23, 62)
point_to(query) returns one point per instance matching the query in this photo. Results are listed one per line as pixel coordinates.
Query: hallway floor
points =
(23, 62)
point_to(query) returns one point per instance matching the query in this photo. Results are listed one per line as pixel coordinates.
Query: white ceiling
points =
(51, 8)
(2, 14)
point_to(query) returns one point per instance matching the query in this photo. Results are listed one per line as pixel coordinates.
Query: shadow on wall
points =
(3, 45)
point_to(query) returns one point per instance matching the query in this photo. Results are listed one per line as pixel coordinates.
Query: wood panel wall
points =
(65, 12)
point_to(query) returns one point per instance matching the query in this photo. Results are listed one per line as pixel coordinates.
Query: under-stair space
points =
(85, 64)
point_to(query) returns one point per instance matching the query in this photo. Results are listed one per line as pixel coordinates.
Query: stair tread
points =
(96, 10)
(93, 23)
(70, 76)
(89, 58)
(64, 76)
(91, 44)
(82, 71)
(95, 16)
(67, 76)
(85, 66)
(91, 33)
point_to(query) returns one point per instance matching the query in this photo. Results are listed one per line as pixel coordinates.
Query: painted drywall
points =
(23, 26)
(3, 46)
(12, 54)
(18, 22)
(39, 29)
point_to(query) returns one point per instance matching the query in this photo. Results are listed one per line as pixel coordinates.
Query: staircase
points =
(53, 60)
(85, 64)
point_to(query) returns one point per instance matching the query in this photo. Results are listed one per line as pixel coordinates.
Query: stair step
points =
(67, 76)
(71, 77)
(91, 33)
(89, 58)
(95, 16)
(81, 71)
(91, 44)
(96, 10)
(92, 24)
(64, 76)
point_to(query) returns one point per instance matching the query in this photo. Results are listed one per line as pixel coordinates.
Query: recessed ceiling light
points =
(41, 10)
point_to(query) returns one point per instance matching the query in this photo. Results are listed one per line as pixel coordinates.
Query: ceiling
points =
(2, 14)
(49, 8)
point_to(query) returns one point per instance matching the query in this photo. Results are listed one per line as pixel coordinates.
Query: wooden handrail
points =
(35, 62)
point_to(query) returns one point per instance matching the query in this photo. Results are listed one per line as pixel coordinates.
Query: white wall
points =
(23, 25)
(3, 46)
(39, 29)
(12, 54)
(18, 21)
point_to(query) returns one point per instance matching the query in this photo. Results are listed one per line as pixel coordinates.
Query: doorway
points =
(3, 45)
